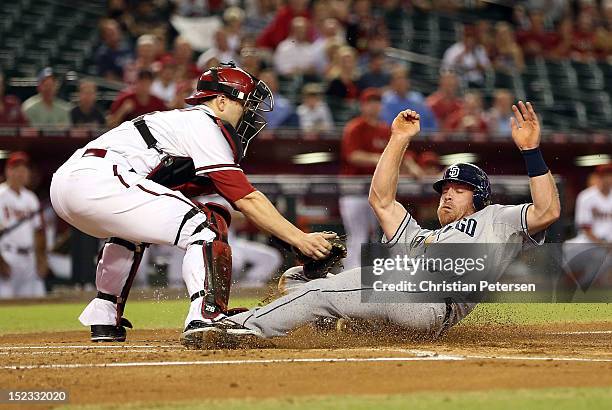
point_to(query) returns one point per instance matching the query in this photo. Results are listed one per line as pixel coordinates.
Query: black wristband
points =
(534, 162)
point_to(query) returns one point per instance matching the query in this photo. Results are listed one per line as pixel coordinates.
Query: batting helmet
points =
(472, 175)
(239, 85)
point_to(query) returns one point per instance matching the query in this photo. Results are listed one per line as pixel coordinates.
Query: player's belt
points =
(94, 152)
(18, 250)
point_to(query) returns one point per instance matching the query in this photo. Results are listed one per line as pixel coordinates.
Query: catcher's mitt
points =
(313, 268)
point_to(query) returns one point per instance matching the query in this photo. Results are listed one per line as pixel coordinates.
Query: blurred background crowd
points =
(318, 56)
(340, 70)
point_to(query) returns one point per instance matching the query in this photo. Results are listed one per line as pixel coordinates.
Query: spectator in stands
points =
(85, 113)
(45, 109)
(376, 44)
(114, 54)
(184, 89)
(183, 57)
(135, 101)
(164, 85)
(445, 100)
(279, 28)
(376, 75)
(395, 16)
(344, 75)
(399, 97)
(497, 117)
(363, 140)
(468, 59)
(232, 19)
(251, 60)
(331, 31)
(603, 33)
(362, 25)
(148, 18)
(552, 10)
(583, 38)
(471, 118)
(563, 39)
(118, 10)
(146, 54)
(506, 55)
(536, 41)
(294, 55)
(192, 8)
(10, 108)
(485, 36)
(320, 10)
(221, 50)
(314, 114)
(258, 14)
(284, 112)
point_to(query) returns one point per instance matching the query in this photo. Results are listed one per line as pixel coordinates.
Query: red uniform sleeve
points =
(231, 185)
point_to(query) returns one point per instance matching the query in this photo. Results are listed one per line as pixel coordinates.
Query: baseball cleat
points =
(222, 334)
(291, 280)
(110, 333)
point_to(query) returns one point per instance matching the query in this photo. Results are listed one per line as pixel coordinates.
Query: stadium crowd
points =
(330, 51)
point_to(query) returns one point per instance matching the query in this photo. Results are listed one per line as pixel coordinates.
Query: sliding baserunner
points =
(465, 200)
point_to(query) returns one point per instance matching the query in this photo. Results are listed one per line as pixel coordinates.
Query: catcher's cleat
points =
(110, 333)
(291, 280)
(222, 334)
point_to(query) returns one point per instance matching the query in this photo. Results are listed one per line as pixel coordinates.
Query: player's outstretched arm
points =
(259, 210)
(546, 207)
(383, 189)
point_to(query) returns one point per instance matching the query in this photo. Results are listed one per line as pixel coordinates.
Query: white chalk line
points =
(541, 358)
(46, 352)
(419, 356)
(234, 362)
(93, 346)
(590, 332)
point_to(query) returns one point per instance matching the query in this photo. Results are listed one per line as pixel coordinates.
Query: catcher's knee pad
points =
(114, 255)
(217, 256)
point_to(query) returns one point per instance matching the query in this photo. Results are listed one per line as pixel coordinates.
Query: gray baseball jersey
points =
(341, 295)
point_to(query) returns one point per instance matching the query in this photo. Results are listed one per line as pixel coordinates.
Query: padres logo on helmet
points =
(453, 171)
(473, 176)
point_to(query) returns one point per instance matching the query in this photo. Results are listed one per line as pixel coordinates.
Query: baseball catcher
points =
(134, 183)
(465, 201)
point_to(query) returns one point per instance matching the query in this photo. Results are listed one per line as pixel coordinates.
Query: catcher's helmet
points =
(472, 175)
(241, 86)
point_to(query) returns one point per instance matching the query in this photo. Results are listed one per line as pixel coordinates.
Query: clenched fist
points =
(406, 125)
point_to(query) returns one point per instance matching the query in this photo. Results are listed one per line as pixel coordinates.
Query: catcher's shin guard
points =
(121, 299)
(217, 263)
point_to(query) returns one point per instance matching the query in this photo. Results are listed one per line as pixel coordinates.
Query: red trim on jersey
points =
(231, 185)
(217, 166)
(228, 137)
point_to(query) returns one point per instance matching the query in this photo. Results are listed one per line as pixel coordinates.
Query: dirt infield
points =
(153, 367)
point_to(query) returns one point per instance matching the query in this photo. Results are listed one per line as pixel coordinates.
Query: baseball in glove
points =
(315, 269)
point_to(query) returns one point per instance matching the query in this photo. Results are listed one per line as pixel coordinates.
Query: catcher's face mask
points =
(254, 94)
(257, 103)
